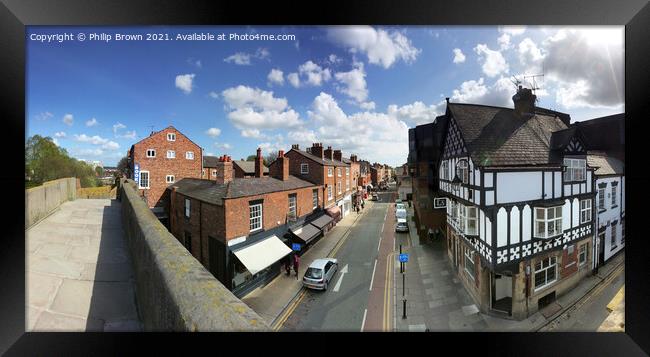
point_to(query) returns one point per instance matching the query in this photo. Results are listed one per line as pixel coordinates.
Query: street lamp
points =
(455, 183)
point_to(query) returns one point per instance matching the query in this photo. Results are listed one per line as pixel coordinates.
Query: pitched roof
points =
(212, 192)
(326, 162)
(249, 166)
(210, 161)
(606, 165)
(495, 136)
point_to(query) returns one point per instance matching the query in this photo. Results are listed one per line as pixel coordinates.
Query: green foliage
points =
(45, 161)
(123, 166)
(100, 171)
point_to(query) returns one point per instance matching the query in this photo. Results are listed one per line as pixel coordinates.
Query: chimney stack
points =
(353, 158)
(328, 153)
(337, 155)
(317, 150)
(524, 101)
(279, 169)
(224, 170)
(295, 146)
(259, 163)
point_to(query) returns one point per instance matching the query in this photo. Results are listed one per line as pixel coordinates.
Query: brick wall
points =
(160, 166)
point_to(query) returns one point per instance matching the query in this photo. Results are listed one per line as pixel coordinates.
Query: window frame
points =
(214, 172)
(189, 153)
(470, 257)
(171, 136)
(557, 221)
(151, 156)
(304, 166)
(445, 170)
(293, 208)
(468, 218)
(347, 171)
(612, 238)
(585, 210)
(173, 152)
(167, 179)
(338, 187)
(462, 167)
(613, 196)
(601, 199)
(188, 208)
(330, 172)
(574, 165)
(547, 282)
(258, 218)
(314, 198)
(148, 180)
(338, 172)
(329, 193)
(582, 254)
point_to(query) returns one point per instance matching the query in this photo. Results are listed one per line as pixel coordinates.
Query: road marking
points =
(290, 310)
(379, 243)
(363, 323)
(338, 283)
(373, 276)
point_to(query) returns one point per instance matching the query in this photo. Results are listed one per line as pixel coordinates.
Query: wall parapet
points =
(174, 291)
(42, 200)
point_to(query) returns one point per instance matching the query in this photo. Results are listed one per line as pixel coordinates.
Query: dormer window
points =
(575, 169)
(171, 136)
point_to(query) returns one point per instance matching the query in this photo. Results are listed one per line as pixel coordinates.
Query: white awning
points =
(261, 255)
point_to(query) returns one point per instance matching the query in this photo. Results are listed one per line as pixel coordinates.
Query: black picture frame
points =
(16, 14)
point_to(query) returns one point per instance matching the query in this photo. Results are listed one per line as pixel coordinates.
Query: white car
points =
(402, 225)
(399, 206)
(400, 213)
(319, 273)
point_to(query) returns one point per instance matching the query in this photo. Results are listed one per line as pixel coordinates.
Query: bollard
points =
(404, 309)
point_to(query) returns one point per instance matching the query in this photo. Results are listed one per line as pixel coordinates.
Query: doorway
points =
(502, 293)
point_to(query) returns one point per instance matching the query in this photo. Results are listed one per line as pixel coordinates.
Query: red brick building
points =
(242, 169)
(161, 159)
(325, 168)
(355, 173)
(240, 229)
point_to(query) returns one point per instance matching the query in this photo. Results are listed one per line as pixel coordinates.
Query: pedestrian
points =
(362, 204)
(287, 264)
(296, 264)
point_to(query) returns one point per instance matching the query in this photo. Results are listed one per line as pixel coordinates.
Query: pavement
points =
(78, 271)
(271, 300)
(437, 301)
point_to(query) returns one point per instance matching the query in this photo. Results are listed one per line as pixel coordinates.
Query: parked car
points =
(375, 197)
(399, 206)
(400, 213)
(319, 273)
(402, 225)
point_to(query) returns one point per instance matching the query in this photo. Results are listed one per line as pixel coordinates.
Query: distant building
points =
(160, 160)
(242, 169)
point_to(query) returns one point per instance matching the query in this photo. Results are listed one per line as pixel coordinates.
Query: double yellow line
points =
(388, 291)
(292, 307)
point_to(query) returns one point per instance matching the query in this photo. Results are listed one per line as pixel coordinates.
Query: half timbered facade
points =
(520, 212)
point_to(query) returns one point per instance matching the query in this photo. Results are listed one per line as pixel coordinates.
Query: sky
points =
(355, 88)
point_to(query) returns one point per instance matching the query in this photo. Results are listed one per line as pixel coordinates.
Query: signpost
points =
(403, 258)
(296, 247)
(136, 174)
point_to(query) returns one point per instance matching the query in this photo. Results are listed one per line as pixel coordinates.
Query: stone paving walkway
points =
(78, 271)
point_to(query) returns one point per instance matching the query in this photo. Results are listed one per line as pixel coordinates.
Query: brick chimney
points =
(353, 158)
(328, 154)
(259, 164)
(280, 167)
(317, 150)
(524, 101)
(224, 169)
(295, 146)
(337, 155)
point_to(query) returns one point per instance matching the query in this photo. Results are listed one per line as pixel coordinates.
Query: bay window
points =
(575, 169)
(548, 222)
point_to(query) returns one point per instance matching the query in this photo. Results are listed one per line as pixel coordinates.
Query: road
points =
(349, 303)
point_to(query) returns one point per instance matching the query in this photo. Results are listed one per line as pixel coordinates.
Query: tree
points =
(123, 166)
(100, 171)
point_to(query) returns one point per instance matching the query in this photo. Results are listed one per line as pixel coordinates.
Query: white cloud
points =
(92, 122)
(416, 113)
(477, 92)
(367, 105)
(128, 135)
(333, 59)
(214, 95)
(97, 140)
(55, 141)
(530, 56)
(223, 146)
(252, 133)
(382, 47)
(60, 134)
(586, 65)
(255, 108)
(493, 61)
(512, 30)
(459, 57)
(184, 82)
(275, 77)
(504, 42)
(239, 58)
(68, 119)
(271, 147)
(293, 79)
(195, 63)
(213, 132)
(117, 127)
(311, 73)
(90, 152)
(44, 116)
(354, 83)
(244, 59)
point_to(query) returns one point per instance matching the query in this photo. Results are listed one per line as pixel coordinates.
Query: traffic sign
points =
(404, 257)
(296, 246)
(136, 173)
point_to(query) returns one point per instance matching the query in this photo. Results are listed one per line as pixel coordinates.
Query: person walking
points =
(296, 264)
(287, 264)
(362, 204)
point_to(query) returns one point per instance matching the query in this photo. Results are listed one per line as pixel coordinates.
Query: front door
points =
(217, 251)
(502, 293)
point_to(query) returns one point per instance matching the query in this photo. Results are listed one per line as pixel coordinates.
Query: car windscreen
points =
(400, 213)
(314, 273)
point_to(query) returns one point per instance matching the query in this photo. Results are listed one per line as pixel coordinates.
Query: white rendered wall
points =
(502, 227)
(514, 225)
(519, 186)
(526, 229)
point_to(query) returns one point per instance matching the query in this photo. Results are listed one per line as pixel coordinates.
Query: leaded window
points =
(255, 216)
(548, 222)
(585, 211)
(575, 169)
(545, 272)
